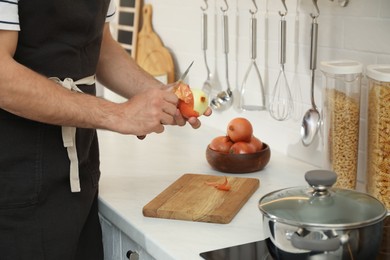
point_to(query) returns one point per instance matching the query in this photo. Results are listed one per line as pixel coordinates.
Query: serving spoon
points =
(312, 118)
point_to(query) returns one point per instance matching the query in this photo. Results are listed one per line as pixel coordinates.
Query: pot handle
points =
(299, 242)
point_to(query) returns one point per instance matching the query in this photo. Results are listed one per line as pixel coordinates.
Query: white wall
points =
(360, 31)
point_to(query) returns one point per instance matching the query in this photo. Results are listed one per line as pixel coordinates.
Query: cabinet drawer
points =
(117, 244)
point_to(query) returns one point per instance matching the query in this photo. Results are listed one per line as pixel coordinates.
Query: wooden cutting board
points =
(151, 54)
(189, 198)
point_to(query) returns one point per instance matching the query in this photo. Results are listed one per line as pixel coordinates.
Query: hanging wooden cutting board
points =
(151, 54)
(189, 198)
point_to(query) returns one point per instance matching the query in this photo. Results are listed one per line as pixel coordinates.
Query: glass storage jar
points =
(378, 130)
(340, 119)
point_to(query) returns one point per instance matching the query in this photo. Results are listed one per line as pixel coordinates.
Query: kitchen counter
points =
(135, 171)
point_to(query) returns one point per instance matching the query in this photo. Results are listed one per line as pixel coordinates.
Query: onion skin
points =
(192, 102)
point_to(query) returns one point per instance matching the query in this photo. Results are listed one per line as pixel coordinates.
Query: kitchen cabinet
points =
(134, 172)
(118, 246)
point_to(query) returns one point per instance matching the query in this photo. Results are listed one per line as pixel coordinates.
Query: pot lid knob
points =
(320, 180)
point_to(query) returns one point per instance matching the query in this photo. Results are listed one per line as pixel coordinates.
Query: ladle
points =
(281, 103)
(256, 93)
(224, 99)
(312, 118)
(207, 85)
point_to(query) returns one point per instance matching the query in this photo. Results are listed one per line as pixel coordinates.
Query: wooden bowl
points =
(238, 163)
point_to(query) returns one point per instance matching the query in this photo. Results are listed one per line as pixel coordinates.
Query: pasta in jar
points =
(343, 137)
(378, 146)
(341, 119)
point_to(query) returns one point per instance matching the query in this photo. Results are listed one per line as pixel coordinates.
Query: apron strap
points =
(69, 132)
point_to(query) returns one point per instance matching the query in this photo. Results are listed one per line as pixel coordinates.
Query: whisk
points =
(252, 98)
(281, 103)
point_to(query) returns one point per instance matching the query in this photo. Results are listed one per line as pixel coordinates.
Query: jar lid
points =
(322, 206)
(341, 66)
(380, 72)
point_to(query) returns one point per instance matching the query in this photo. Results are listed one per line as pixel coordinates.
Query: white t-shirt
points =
(9, 18)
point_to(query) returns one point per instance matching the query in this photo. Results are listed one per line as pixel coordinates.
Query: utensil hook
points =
(314, 16)
(253, 12)
(205, 7)
(282, 14)
(226, 6)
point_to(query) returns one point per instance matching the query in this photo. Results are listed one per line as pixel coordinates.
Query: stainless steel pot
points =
(320, 222)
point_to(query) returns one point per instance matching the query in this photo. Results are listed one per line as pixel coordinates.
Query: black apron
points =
(40, 218)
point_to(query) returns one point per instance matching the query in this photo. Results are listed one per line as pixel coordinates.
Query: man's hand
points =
(170, 118)
(147, 112)
(179, 119)
(193, 121)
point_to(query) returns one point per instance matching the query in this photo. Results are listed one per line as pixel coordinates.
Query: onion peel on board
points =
(220, 186)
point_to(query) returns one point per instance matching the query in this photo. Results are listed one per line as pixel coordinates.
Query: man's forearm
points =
(30, 95)
(119, 72)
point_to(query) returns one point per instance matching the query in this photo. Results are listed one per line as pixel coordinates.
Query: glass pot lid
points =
(321, 205)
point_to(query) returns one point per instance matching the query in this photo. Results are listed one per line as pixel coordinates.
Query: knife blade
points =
(184, 75)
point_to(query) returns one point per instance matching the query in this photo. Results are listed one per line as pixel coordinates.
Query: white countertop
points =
(135, 171)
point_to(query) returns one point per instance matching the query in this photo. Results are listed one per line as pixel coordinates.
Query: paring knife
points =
(180, 80)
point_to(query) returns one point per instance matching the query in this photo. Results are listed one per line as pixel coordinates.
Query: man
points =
(50, 54)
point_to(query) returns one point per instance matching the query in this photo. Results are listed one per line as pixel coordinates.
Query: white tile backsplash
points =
(368, 34)
(360, 31)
